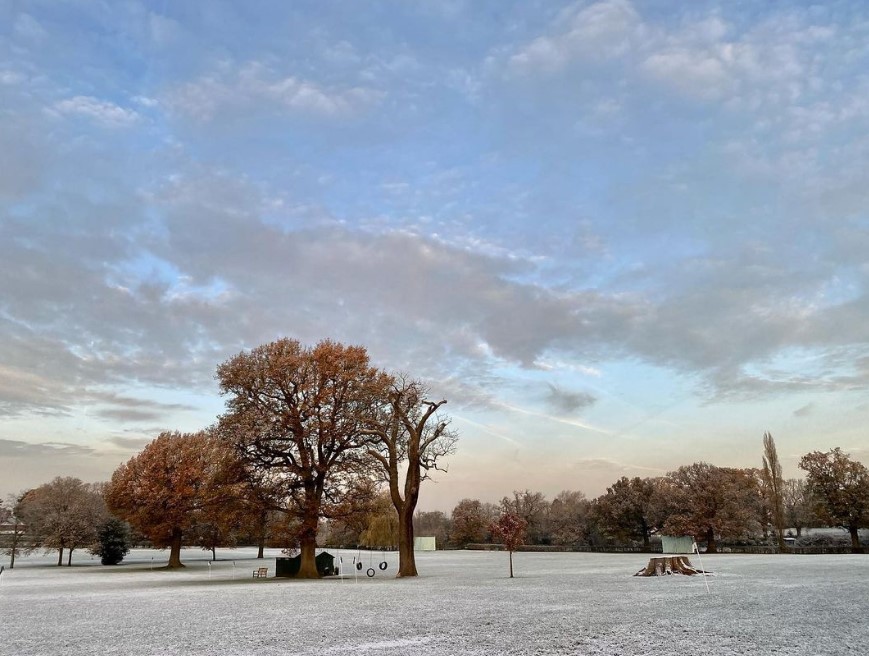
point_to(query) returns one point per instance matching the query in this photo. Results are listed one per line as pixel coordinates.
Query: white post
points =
(700, 560)
(233, 570)
(209, 569)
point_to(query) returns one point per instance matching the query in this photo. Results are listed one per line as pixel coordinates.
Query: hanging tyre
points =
(359, 566)
(383, 566)
(370, 572)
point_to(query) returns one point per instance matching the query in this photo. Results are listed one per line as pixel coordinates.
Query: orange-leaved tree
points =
(301, 412)
(172, 486)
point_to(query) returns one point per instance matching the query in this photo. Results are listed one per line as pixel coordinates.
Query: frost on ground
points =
(463, 603)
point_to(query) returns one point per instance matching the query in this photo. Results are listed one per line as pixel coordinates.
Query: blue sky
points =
(617, 236)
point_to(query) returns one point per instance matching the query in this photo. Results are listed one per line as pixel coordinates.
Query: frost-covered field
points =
(463, 603)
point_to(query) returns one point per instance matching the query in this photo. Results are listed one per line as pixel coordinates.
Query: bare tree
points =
(569, 517)
(797, 504)
(534, 509)
(432, 523)
(14, 542)
(412, 436)
(64, 514)
(774, 486)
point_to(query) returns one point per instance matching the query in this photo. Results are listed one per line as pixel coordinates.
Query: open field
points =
(565, 603)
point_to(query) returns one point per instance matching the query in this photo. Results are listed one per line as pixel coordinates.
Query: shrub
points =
(114, 542)
(823, 540)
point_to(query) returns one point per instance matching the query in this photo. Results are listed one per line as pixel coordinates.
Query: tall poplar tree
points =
(774, 483)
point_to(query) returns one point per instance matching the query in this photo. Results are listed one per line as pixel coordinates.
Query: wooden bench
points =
(261, 573)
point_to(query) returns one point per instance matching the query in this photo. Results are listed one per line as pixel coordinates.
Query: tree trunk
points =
(663, 566)
(60, 557)
(711, 547)
(308, 531)
(799, 531)
(308, 564)
(262, 545)
(646, 540)
(855, 539)
(213, 554)
(406, 555)
(175, 549)
(511, 564)
(69, 558)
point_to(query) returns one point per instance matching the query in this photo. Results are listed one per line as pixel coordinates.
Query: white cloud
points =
(701, 74)
(604, 30)
(255, 87)
(103, 112)
(703, 57)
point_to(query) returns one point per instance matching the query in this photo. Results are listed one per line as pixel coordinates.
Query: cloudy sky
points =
(617, 236)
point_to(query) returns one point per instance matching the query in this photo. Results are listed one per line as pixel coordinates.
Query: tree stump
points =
(666, 565)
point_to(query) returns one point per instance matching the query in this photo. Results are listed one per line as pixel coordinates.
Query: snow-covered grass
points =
(463, 603)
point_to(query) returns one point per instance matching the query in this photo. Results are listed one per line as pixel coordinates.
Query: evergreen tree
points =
(114, 542)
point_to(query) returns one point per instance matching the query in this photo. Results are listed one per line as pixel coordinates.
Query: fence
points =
(656, 548)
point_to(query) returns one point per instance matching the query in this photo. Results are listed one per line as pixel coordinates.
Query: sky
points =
(618, 237)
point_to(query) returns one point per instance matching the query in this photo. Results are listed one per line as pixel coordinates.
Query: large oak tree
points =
(630, 509)
(709, 502)
(839, 488)
(302, 413)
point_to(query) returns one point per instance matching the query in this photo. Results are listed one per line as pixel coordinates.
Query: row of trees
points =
(63, 515)
(310, 434)
(708, 502)
(317, 438)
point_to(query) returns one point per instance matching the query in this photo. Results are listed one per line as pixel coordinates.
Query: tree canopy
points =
(64, 514)
(303, 412)
(628, 509)
(839, 487)
(710, 502)
(169, 488)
